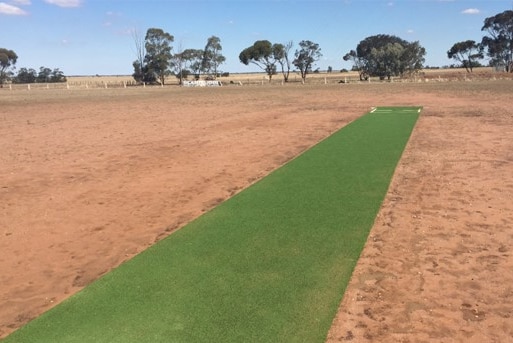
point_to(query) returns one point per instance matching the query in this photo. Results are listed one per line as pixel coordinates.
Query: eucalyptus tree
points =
(157, 56)
(178, 63)
(139, 74)
(44, 75)
(158, 53)
(194, 59)
(187, 62)
(358, 63)
(386, 56)
(25, 75)
(466, 52)
(499, 42)
(212, 56)
(8, 60)
(306, 56)
(263, 54)
(282, 52)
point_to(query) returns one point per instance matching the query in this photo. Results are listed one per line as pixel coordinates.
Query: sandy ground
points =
(438, 264)
(90, 178)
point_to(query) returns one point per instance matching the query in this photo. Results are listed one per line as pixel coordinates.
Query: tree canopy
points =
(358, 63)
(306, 56)
(8, 59)
(183, 62)
(158, 53)
(386, 56)
(157, 56)
(26, 76)
(263, 54)
(212, 56)
(45, 75)
(155, 59)
(380, 55)
(499, 41)
(199, 61)
(466, 52)
(194, 60)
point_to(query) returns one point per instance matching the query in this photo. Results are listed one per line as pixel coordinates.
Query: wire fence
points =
(262, 80)
(69, 85)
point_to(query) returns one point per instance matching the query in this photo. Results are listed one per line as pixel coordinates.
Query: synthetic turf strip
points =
(268, 265)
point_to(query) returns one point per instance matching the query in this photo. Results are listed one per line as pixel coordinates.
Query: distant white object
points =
(202, 83)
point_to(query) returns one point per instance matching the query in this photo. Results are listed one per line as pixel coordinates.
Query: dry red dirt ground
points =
(90, 178)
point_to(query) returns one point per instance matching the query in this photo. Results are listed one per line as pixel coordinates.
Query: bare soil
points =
(90, 178)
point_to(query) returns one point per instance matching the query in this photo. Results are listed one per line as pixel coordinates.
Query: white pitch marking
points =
(404, 110)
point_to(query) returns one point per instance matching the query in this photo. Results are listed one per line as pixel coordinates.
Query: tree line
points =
(386, 56)
(498, 45)
(44, 75)
(8, 60)
(381, 55)
(155, 60)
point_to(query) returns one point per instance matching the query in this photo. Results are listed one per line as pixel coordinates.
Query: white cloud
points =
(471, 11)
(65, 3)
(11, 10)
(113, 14)
(126, 32)
(410, 31)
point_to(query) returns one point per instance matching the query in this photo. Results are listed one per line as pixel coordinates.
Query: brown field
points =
(89, 178)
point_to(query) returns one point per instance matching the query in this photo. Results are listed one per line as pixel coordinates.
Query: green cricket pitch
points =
(268, 265)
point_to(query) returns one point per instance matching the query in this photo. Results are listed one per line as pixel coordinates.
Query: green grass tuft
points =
(269, 265)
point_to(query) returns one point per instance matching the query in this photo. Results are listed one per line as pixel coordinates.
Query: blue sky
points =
(88, 37)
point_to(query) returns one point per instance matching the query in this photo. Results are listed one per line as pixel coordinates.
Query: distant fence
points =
(263, 80)
(70, 85)
(103, 84)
